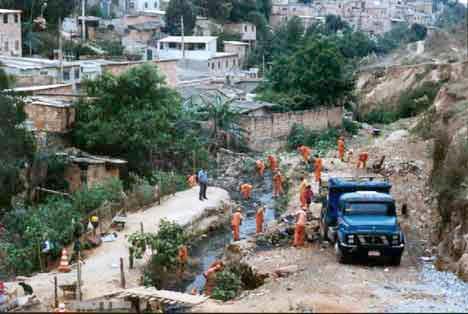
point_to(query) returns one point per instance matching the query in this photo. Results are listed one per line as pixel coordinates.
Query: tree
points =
(175, 10)
(316, 74)
(417, 32)
(16, 146)
(129, 116)
(334, 23)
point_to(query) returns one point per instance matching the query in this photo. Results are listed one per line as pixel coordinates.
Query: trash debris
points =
(109, 238)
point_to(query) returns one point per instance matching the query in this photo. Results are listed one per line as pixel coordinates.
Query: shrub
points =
(413, 102)
(169, 182)
(228, 285)
(350, 126)
(380, 116)
(88, 199)
(319, 141)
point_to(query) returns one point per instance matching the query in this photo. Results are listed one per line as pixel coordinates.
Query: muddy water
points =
(211, 249)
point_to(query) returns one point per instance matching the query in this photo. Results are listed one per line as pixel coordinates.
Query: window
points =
(245, 28)
(146, 5)
(77, 73)
(172, 45)
(219, 65)
(213, 66)
(227, 64)
(16, 18)
(5, 18)
(253, 28)
(155, 4)
(383, 209)
(6, 46)
(43, 72)
(66, 75)
(16, 44)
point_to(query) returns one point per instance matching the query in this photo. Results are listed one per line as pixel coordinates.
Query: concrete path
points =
(101, 271)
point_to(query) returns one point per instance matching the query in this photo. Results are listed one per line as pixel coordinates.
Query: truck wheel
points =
(395, 260)
(341, 257)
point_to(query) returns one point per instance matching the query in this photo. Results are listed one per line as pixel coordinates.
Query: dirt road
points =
(101, 272)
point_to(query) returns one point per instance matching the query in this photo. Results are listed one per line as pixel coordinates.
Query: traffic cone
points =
(64, 267)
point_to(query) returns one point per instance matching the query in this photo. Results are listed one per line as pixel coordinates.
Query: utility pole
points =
(31, 28)
(83, 22)
(60, 49)
(183, 38)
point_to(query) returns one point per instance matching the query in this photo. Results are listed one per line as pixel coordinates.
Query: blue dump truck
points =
(359, 216)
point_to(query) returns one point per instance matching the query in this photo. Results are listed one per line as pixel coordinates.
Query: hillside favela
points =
(239, 156)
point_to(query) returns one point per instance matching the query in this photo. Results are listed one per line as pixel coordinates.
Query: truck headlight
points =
(395, 239)
(350, 238)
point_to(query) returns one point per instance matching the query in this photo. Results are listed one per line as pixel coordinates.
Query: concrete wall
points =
(50, 119)
(271, 131)
(248, 31)
(10, 35)
(241, 50)
(221, 65)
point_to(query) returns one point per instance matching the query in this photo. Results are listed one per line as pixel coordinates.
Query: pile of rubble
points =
(403, 168)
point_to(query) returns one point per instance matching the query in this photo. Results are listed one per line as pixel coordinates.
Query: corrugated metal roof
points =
(4, 11)
(48, 101)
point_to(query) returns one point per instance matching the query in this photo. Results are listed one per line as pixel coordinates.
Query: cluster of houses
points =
(371, 16)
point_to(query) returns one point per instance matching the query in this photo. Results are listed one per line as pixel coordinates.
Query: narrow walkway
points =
(101, 271)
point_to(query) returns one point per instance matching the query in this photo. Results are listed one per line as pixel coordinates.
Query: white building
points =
(142, 5)
(10, 33)
(196, 47)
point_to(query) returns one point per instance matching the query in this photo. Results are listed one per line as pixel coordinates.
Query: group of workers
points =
(306, 195)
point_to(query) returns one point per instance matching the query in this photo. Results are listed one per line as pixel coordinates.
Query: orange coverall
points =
(259, 218)
(235, 224)
(341, 149)
(246, 190)
(318, 169)
(192, 181)
(277, 184)
(210, 276)
(302, 196)
(299, 230)
(362, 160)
(183, 254)
(305, 152)
(273, 163)
(260, 167)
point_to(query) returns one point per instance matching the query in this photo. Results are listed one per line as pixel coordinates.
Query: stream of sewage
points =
(212, 249)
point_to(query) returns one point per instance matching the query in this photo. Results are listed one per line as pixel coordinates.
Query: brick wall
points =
(168, 68)
(50, 119)
(271, 131)
(96, 174)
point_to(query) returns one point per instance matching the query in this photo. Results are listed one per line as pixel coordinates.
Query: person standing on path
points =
(341, 148)
(305, 153)
(260, 167)
(273, 163)
(203, 182)
(299, 230)
(318, 165)
(246, 190)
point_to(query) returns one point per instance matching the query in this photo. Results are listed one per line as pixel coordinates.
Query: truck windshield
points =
(384, 209)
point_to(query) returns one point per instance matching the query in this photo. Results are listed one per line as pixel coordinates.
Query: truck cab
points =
(359, 215)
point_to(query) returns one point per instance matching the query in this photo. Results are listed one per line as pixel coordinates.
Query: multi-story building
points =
(10, 33)
(247, 31)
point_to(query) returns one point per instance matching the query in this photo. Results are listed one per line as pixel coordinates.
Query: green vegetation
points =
(17, 145)
(449, 175)
(57, 219)
(174, 11)
(320, 141)
(298, 80)
(164, 245)
(228, 285)
(453, 15)
(411, 103)
(128, 116)
(399, 35)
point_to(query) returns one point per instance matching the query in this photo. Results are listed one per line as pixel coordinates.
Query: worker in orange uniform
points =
(259, 218)
(182, 257)
(210, 276)
(305, 153)
(260, 166)
(302, 189)
(192, 180)
(299, 230)
(341, 148)
(318, 165)
(277, 184)
(309, 194)
(362, 160)
(246, 190)
(273, 163)
(235, 224)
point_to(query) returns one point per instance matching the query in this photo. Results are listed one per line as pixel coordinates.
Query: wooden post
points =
(56, 303)
(100, 220)
(141, 228)
(194, 161)
(160, 191)
(130, 257)
(122, 273)
(78, 272)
